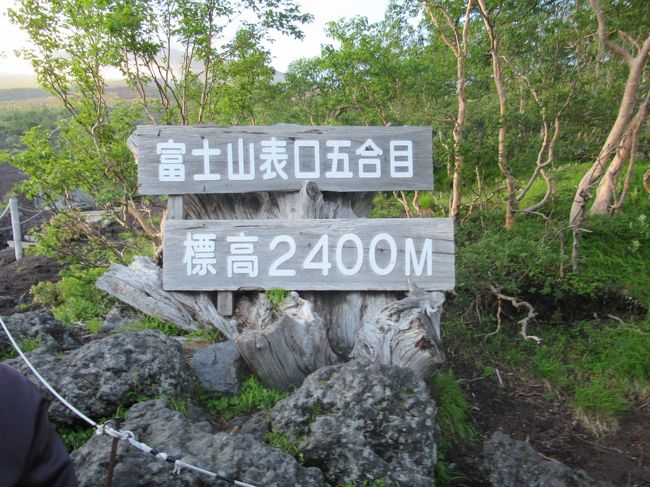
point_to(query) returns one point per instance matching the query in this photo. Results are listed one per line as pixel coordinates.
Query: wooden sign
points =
(373, 254)
(192, 160)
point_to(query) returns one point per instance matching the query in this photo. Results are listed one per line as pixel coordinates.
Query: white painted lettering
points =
(372, 254)
(425, 257)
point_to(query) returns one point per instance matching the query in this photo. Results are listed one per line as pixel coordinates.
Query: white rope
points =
(128, 436)
(43, 381)
(4, 212)
(23, 221)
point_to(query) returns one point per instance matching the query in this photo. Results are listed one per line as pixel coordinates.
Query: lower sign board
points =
(325, 255)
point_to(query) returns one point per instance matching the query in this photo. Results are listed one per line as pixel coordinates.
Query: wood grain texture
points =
(359, 254)
(282, 346)
(405, 333)
(140, 286)
(308, 158)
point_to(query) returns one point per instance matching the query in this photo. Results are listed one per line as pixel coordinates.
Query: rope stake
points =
(123, 435)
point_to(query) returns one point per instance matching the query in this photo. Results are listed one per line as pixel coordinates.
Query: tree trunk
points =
(504, 167)
(636, 66)
(405, 333)
(626, 151)
(140, 286)
(459, 47)
(283, 346)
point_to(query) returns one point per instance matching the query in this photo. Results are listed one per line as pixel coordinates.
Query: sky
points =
(283, 50)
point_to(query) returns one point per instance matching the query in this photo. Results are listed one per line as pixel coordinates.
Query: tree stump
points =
(309, 331)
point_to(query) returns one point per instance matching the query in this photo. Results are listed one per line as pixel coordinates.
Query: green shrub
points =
(75, 298)
(276, 297)
(453, 410)
(253, 396)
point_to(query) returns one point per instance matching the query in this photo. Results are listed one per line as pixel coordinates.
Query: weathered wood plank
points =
(195, 160)
(139, 285)
(334, 255)
(175, 207)
(225, 303)
(282, 346)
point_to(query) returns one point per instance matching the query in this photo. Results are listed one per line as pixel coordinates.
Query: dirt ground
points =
(519, 409)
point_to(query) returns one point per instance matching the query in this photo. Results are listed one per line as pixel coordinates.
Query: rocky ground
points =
(517, 408)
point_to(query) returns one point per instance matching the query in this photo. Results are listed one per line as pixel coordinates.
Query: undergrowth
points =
(74, 298)
(455, 426)
(26, 345)
(284, 442)
(253, 396)
(602, 367)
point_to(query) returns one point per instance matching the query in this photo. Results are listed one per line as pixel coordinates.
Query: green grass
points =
(254, 396)
(453, 410)
(26, 345)
(283, 442)
(602, 367)
(456, 429)
(74, 298)
(152, 323)
(74, 436)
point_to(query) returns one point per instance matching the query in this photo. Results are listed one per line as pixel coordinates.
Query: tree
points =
(511, 187)
(455, 38)
(636, 64)
(174, 54)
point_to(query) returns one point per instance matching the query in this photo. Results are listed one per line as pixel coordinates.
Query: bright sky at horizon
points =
(283, 50)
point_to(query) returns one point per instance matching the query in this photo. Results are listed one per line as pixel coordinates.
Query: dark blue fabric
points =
(31, 453)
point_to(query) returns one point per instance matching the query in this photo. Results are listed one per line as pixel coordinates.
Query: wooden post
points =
(175, 211)
(15, 226)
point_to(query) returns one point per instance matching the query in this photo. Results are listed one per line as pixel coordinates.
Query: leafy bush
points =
(75, 298)
(152, 323)
(253, 396)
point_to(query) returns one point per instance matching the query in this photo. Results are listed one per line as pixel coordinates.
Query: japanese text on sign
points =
(182, 160)
(309, 254)
(274, 158)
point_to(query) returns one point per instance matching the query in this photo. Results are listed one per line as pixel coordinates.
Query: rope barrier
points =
(24, 221)
(124, 435)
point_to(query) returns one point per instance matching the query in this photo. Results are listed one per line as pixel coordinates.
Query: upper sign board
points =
(193, 160)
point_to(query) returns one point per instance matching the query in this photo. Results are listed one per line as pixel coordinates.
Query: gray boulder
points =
(120, 317)
(220, 367)
(191, 439)
(362, 422)
(40, 325)
(513, 463)
(117, 370)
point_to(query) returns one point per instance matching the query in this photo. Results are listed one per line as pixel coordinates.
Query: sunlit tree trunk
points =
(636, 65)
(626, 152)
(458, 45)
(506, 171)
